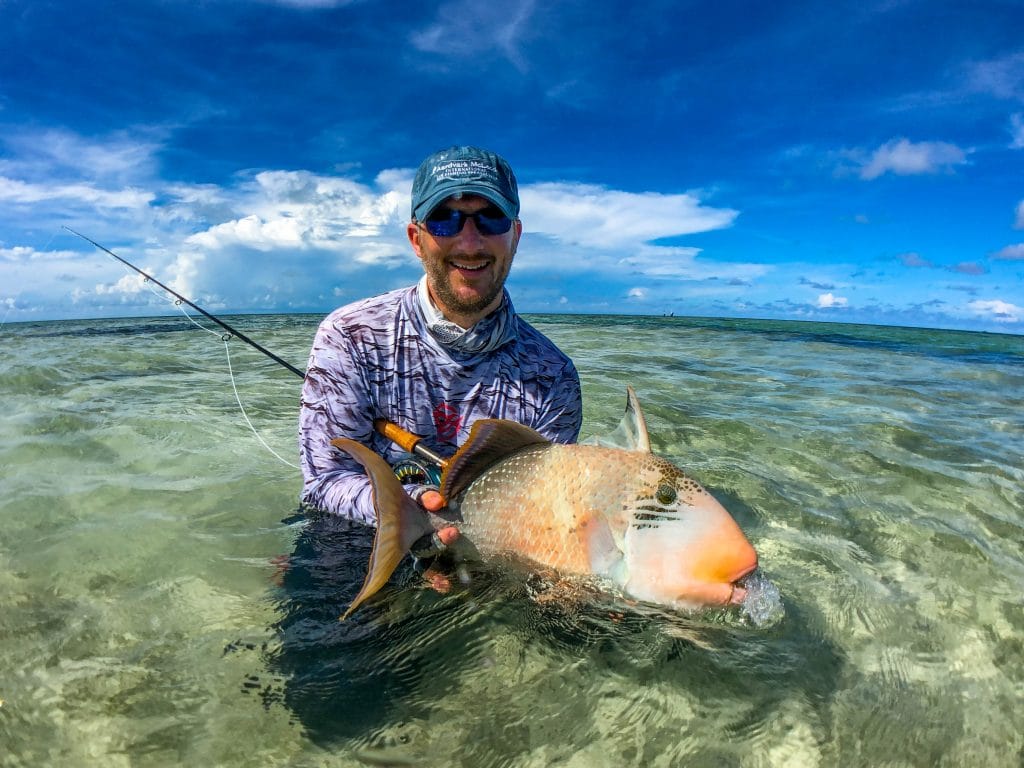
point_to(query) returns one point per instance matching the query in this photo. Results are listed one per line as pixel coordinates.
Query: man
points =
(434, 357)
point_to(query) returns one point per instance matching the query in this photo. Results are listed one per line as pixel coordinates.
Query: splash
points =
(763, 602)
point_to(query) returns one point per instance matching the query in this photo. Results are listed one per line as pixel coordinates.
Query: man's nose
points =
(470, 235)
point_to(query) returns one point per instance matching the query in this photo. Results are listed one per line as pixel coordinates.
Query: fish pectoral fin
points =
(400, 521)
(603, 552)
(631, 433)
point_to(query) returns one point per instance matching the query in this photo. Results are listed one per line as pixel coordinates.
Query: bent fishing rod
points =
(402, 438)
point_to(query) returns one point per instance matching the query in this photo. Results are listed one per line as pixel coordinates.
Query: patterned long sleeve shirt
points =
(378, 358)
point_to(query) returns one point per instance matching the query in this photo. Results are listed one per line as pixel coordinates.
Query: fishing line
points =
(227, 354)
(10, 308)
(406, 440)
(225, 337)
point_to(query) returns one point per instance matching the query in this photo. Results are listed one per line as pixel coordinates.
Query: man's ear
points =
(413, 232)
(518, 226)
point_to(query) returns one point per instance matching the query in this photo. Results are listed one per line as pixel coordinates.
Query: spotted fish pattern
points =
(377, 358)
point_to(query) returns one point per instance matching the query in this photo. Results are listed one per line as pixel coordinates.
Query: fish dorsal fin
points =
(489, 441)
(631, 434)
(400, 521)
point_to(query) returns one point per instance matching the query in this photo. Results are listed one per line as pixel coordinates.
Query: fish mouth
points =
(738, 587)
(723, 592)
(737, 595)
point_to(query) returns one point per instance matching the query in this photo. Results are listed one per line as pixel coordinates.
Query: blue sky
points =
(844, 161)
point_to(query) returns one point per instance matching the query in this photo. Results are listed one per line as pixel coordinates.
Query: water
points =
(161, 604)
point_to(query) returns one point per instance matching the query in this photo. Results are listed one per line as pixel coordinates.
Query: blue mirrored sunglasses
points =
(448, 222)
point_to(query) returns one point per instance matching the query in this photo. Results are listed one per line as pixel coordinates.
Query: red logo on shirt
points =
(447, 422)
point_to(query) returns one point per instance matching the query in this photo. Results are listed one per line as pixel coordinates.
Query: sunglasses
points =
(448, 222)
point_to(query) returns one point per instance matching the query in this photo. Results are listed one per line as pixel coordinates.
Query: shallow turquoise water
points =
(146, 618)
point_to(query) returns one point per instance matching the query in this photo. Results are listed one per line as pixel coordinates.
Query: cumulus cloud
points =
(997, 310)
(130, 284)
(305, 211)
(829, 300)
(1010, 253)
(906, 158)
(296, 239)
(16, 254)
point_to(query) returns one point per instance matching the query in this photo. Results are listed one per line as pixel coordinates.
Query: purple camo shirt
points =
(377, 358)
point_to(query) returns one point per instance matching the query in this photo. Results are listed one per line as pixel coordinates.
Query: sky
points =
(845, 161)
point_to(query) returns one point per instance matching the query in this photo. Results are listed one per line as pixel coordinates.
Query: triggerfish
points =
(611, 511)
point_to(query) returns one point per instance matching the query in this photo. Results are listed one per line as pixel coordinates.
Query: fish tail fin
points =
(400, 521)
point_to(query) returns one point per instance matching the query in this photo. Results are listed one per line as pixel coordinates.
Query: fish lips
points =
(679, 566)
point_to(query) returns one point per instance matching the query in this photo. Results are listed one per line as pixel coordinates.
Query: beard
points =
(441, 286)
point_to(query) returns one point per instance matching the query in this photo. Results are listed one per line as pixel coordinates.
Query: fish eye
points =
(666, 494)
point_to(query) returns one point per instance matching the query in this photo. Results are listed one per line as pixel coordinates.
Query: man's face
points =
(466, 272)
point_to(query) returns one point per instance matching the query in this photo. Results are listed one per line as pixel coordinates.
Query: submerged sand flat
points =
(146, 621)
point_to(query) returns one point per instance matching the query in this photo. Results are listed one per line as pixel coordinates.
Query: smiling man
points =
(437, 356)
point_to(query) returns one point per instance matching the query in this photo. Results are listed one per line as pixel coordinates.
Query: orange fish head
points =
(689, 555)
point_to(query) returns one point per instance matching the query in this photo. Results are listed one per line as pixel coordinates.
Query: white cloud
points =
(250, 232)
(906, 158)
(680, 263)
(18, 253)
(301, 210)
(998, 310)
(594, 216)
(467, 29)
(637, 293)
(129, 284)
(1019, 223)
(17, 191)
(1002, 77)
(828, 300)
(1010, 253)
(1017, 131)
(57, 154)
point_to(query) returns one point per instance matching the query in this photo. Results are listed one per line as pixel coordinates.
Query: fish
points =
(606, 510)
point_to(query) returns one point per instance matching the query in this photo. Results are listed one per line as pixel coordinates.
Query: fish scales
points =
(566, 506)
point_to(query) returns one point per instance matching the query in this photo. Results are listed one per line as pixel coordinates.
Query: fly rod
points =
(401, 437)
(234, 332)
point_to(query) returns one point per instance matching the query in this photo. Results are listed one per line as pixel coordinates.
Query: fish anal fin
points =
(400, 521)
(489, 441)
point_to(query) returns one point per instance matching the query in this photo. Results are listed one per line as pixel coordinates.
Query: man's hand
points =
(441, 539)
(432, 501)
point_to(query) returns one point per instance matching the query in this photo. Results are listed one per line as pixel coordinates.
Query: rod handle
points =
(407, 441)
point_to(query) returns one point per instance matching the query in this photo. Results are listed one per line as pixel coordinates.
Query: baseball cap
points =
(464, 170)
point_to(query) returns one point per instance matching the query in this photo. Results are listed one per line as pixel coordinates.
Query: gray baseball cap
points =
(467, 171)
